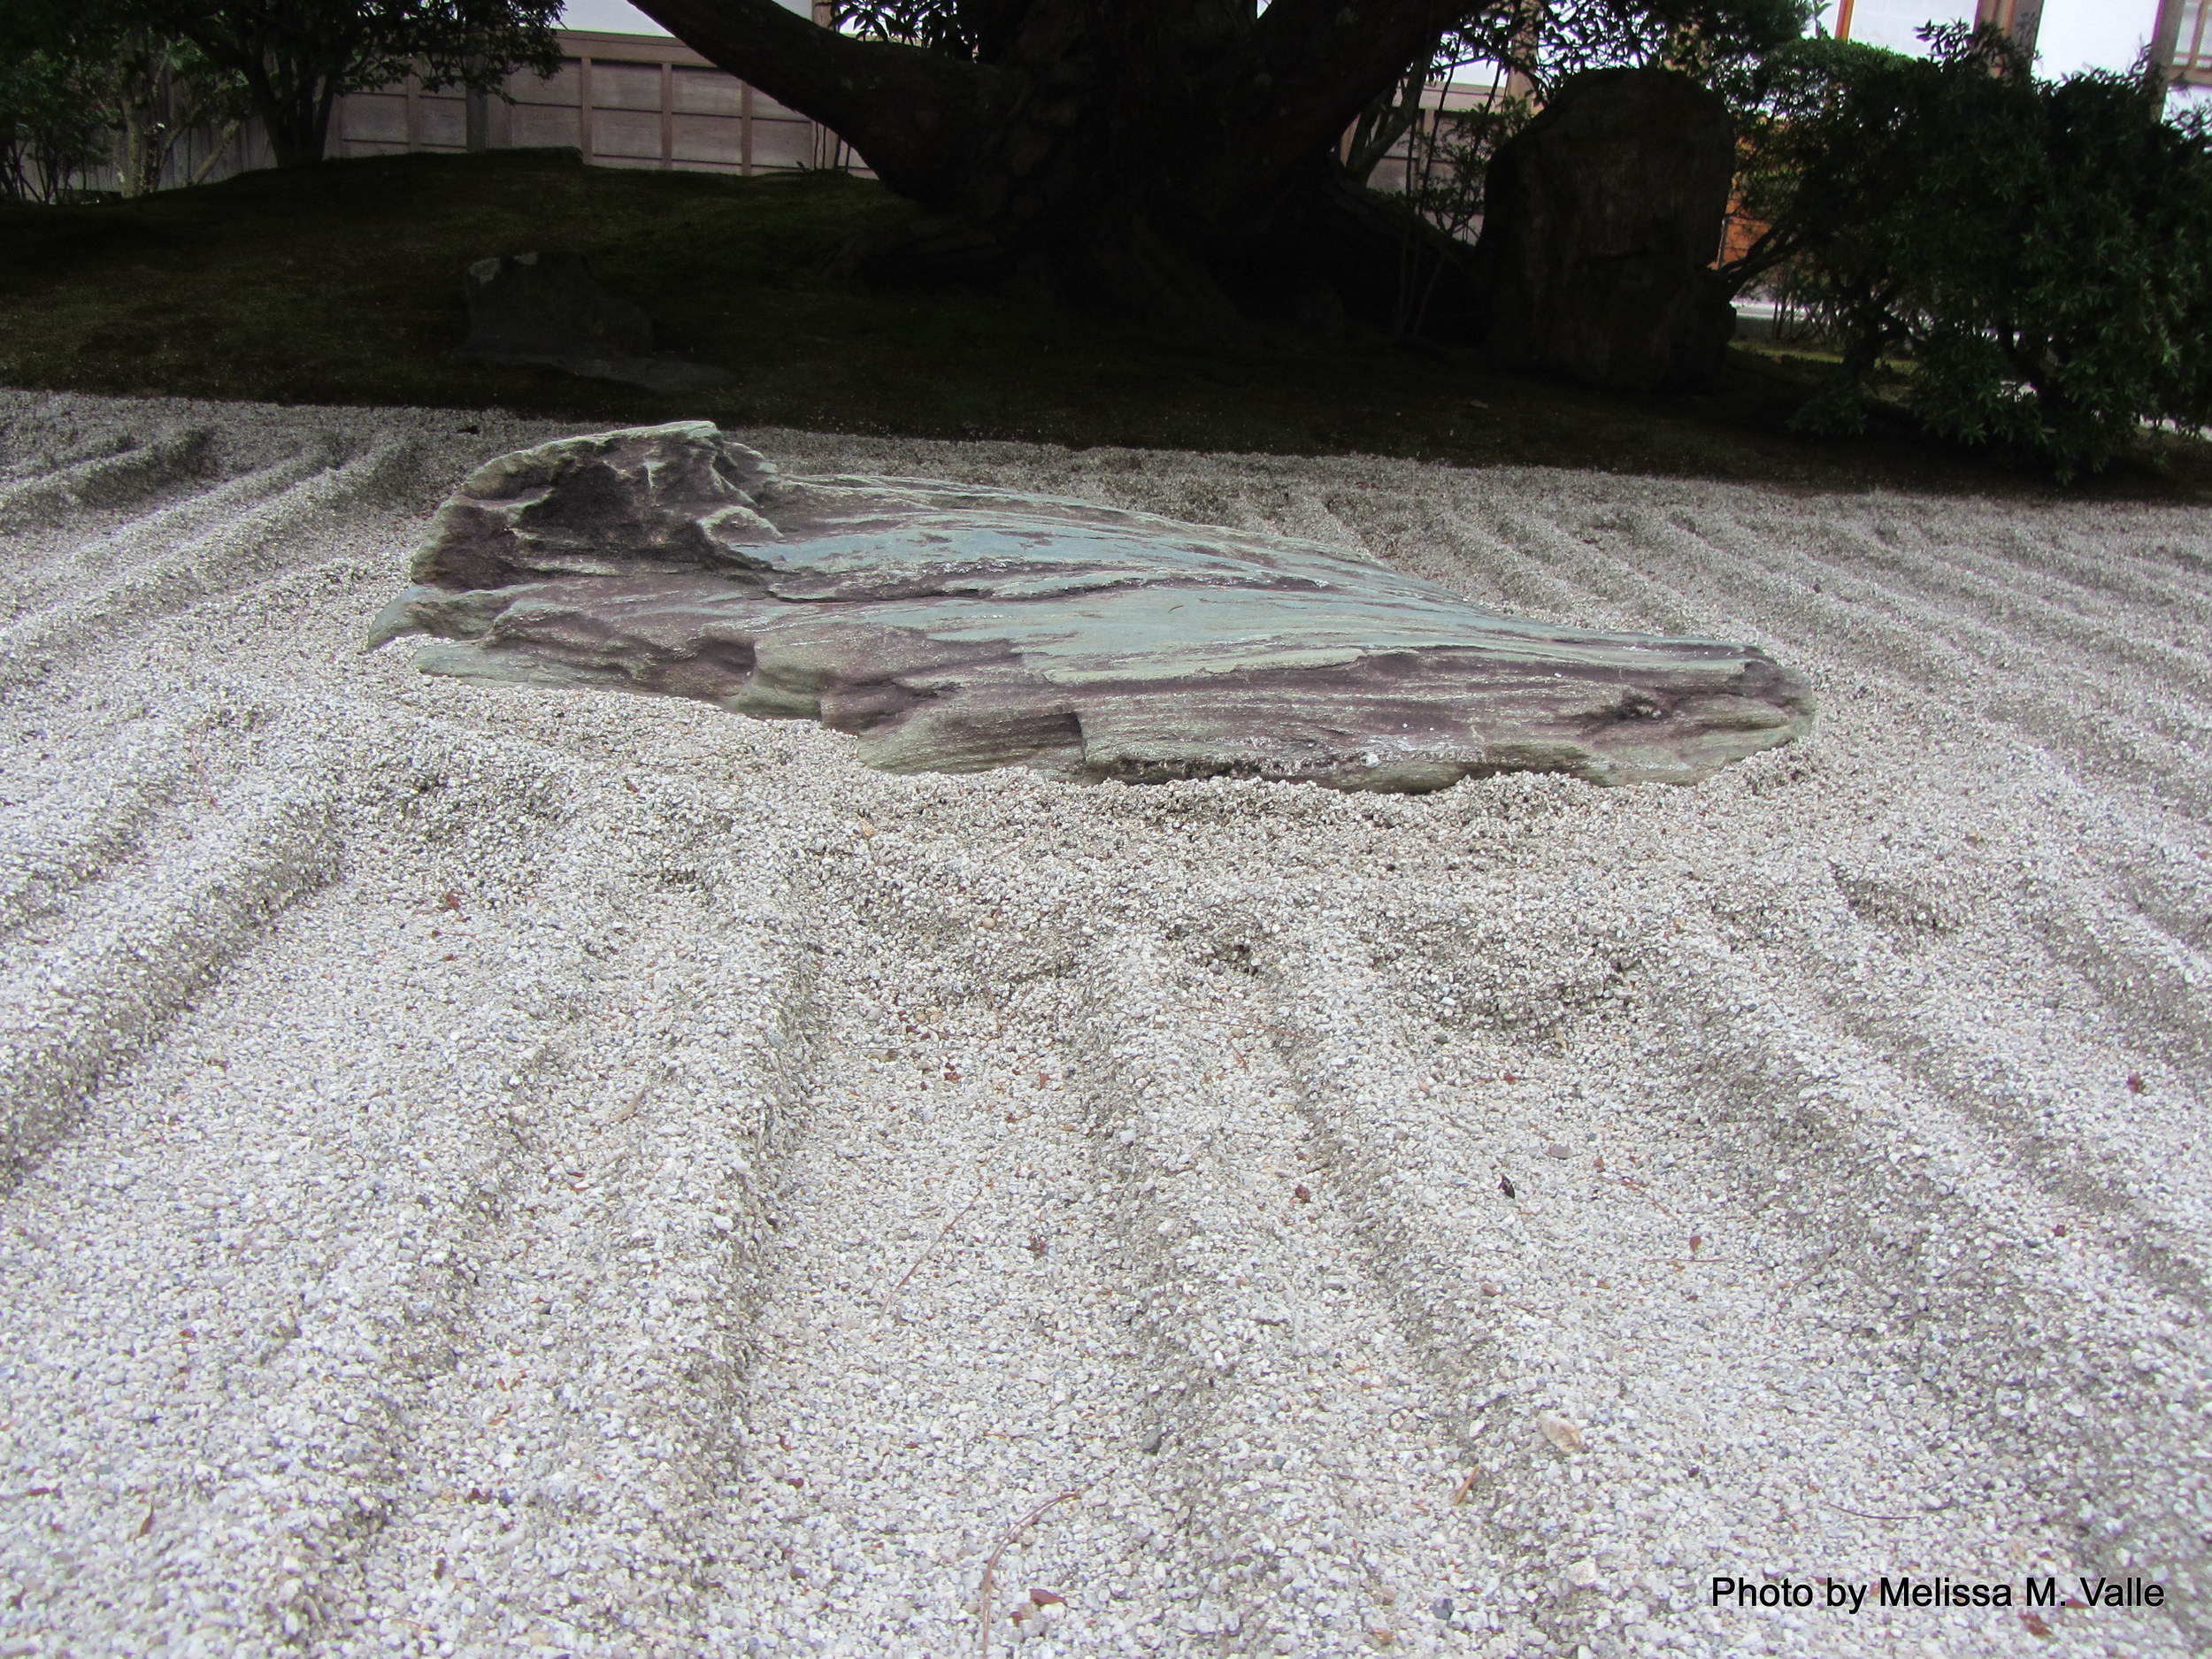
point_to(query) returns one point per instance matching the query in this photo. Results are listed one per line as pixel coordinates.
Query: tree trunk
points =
(1169, 159)
(146, 92)
(134, 169)
(298, 123)
(290, 89)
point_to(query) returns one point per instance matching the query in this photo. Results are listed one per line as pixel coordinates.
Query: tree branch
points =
(1772, 247)
(915, 116)
(995, 23)
(1382, 125)
(1313, 66)
(1047, 34)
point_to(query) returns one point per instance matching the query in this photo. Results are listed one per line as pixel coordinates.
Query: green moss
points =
(342, 284)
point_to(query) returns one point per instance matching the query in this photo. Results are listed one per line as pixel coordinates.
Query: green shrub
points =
(51, 130)
(2040, 251)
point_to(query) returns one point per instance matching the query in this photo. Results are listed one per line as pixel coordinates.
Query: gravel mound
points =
(494, 1170)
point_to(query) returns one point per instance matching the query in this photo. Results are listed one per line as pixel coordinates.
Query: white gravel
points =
(496, 1169)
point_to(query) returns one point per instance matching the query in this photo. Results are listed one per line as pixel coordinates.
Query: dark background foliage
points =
(140, 70)
(2038, 253)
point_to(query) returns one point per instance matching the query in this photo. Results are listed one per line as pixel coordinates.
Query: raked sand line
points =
(507, 1169)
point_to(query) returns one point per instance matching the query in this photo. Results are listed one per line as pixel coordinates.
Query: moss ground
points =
(342, 284)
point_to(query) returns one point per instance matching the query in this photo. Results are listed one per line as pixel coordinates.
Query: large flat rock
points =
(953, 629)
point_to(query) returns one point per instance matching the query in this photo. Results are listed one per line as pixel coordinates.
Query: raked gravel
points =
(509, 1171)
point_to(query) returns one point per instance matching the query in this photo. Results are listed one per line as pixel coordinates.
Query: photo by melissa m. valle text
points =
(1907, 1593)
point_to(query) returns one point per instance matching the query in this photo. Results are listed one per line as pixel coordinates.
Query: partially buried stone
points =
(546, 308)
(549, 304)
(953, 629)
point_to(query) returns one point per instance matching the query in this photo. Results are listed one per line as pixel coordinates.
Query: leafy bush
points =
(2040, 251)
(148, 70)
(295, 58)
(51, 130)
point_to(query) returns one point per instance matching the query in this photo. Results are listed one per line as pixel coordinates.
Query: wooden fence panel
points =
(2182, 42)
(622, 100)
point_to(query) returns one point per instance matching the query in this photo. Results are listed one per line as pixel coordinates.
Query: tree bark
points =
(915, 116)
(293, 97)
(1174, 160)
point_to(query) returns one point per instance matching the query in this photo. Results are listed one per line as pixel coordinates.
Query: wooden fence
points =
(622, 100)
(648, 101)
(2182, 42)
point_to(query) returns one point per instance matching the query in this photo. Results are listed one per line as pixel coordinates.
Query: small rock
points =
(1562, 1432)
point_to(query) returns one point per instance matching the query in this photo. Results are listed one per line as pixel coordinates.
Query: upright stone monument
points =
(1602, 218)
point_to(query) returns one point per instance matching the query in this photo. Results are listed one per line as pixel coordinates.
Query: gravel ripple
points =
(496, 1169)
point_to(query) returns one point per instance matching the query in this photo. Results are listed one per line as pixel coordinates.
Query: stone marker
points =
(547, 308)
(952, 628)
(1601, 220)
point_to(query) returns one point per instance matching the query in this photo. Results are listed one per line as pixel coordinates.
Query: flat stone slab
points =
(952, 628)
